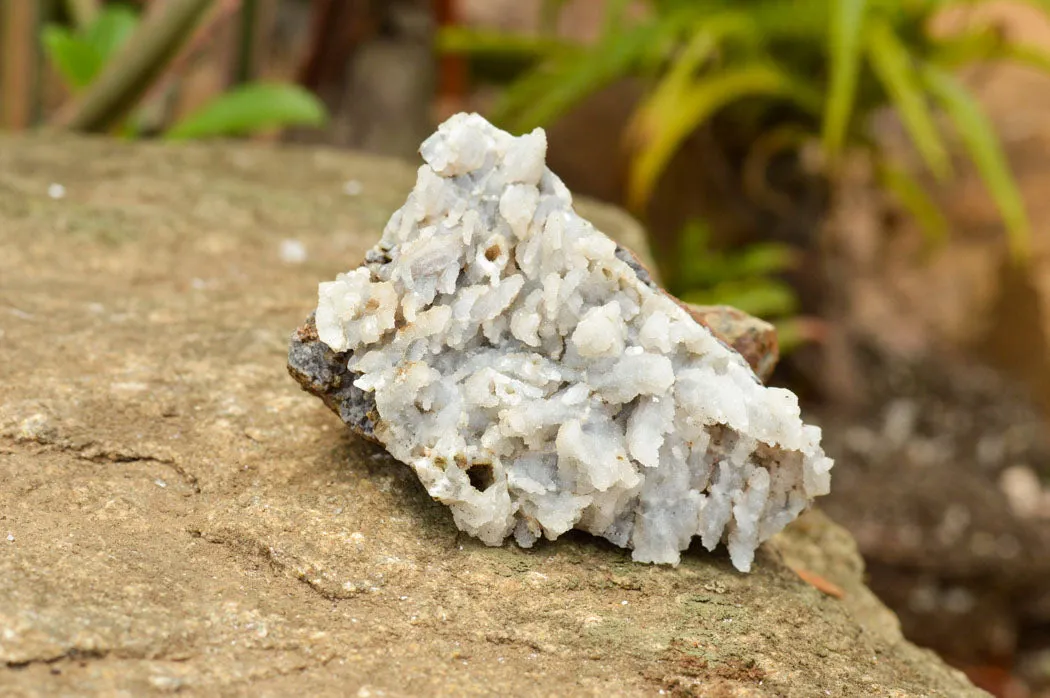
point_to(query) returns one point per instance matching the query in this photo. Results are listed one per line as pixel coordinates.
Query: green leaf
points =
(759, 297)
(613, 20)
(706, 40)
(844, 51)
(80, 57)
(979, 137)
(910, 193)
(988, 45)
(709, 267)
(496, 44)
(552, 89)
(252, 107)
(74, 58)
(512, 110)
(764, 259)
(798, 21)
(663, 132)
(111, 29)
(894, 66)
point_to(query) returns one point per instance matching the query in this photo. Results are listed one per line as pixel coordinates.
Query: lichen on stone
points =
(536, 380)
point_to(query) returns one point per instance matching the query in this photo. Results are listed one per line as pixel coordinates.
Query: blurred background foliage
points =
(868, 174)
(113, 59)
(798, 82)
(805, 75)
(774, 105)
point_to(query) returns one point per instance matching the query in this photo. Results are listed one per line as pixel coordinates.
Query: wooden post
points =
(19, 73)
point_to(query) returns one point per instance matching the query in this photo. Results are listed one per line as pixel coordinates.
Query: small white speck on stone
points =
(352, 187)
(10, 538)
(623, 603)
(166, 683)
(56, 191)
(292, 251)
(199, 284)
(160, 483)
(404, 598)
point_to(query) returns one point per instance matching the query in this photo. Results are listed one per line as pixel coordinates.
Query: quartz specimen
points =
(537, 380)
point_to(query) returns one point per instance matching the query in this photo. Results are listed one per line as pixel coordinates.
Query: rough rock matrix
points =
(536, 379)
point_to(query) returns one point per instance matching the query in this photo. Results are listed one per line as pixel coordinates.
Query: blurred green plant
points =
(748, 278)
(110, 59)
(79, 54)
(832, 63)
(743, 278)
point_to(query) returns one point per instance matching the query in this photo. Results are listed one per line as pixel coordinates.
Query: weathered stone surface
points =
(176, 514)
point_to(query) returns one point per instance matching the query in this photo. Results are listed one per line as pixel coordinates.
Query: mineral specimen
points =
(537, 380)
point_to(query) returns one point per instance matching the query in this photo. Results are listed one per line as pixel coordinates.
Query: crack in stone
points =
(70, 654)
(93, 453)
(273, 557)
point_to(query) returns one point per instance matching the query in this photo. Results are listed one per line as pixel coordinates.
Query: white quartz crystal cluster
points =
(536, 384)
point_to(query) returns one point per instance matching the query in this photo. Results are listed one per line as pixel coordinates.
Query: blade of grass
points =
(551, 90)
(979, 137)
(707, 38)
(497, 44)
(845, 47)
(893, 65)
(665, 132)
(988, 46)
(910, 193)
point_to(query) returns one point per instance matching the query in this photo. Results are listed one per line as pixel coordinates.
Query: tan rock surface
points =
(176, 515)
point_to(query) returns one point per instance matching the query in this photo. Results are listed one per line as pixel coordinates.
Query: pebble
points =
(292, 251)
